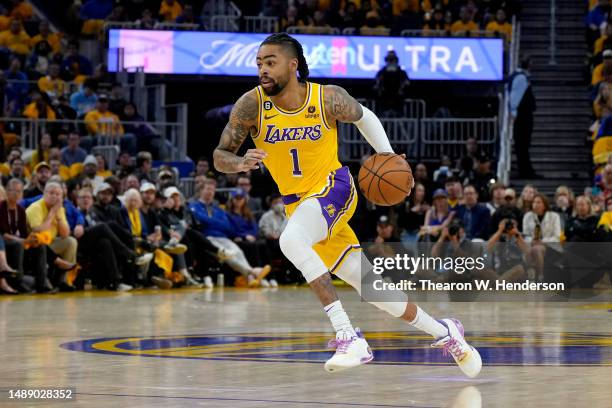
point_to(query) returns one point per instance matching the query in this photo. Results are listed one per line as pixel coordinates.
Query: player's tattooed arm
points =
(340, 105)
(242, 121)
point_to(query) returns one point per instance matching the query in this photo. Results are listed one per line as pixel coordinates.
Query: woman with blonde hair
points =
(582, 226)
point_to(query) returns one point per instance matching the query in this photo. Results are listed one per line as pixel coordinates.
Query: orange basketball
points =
(385, 178)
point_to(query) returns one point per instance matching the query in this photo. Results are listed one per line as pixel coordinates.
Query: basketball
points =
(385, 179)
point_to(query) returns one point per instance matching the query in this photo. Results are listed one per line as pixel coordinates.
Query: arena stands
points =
(93, 160)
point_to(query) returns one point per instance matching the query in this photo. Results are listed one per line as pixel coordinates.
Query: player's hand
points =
(403, 156)
(252, 158)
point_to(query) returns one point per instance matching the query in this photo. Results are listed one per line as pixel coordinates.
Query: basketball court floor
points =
(263, 348)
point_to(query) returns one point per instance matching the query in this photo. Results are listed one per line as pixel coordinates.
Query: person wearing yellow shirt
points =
(500, 25)
(39, 109)
(45, 34)
(15, 39)
(52, 84)
(48, 216)
(22, 10)
(597, 74)
(102, 122)
(5, 20)
(465, 26)
(169, 10)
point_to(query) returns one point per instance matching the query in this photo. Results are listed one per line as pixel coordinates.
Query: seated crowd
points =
(133, 227)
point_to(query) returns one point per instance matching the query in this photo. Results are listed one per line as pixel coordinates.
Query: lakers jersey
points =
(301, 145)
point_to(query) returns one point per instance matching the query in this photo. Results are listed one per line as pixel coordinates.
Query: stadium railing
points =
(313, 30)
(447, 136)
(173, 134)
(506, 129)
(261, 24)
(446, 33)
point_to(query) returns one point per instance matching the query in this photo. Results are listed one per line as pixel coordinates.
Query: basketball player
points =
(294, 126)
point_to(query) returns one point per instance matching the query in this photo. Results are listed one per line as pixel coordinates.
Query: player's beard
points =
(276, 88)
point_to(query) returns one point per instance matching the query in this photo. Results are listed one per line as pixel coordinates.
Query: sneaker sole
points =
(335, 369)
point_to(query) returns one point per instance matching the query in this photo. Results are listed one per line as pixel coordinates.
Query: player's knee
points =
(292, 238)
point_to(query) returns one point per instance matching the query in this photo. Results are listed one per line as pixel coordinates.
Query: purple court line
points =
(351, 404)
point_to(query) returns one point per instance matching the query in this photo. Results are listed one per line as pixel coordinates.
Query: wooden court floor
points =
(258, 348)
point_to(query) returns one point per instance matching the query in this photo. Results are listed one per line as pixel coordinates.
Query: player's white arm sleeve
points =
(372, 130)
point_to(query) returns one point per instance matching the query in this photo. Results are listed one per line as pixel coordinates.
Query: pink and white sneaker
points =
(352, 350)
(467, 357)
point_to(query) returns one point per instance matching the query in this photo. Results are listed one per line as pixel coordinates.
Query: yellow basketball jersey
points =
(302, 146)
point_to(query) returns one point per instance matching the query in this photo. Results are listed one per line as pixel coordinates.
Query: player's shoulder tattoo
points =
(340, 105)
(242, 122)
(246, 107)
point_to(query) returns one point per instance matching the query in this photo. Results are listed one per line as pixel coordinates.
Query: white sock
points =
(339, 318)
(428, 324)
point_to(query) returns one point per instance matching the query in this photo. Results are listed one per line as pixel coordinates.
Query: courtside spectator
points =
(437, 217)
(214, 223)
(476, 216)
(48, 216)
(526, 199)
(497, 193)
(540, 226)
(582, 226)
(412, 214)
(254, 203)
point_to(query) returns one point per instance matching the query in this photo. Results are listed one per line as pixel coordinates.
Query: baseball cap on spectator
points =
(102, 187)
(238, 193)
(103, 98)
(170, 191)
(90, 159)
(439, 193)
(147, 187)
(607, 54)
(383, 220)
(165, 173)
(41, 165)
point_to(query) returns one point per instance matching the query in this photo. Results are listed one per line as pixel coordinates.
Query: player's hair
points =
(288, 42)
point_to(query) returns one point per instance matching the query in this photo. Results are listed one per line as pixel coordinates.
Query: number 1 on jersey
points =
(296, 163)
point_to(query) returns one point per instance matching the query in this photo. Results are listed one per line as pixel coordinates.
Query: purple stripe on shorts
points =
(337, 197)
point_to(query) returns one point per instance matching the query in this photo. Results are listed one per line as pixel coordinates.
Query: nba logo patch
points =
(267, 105)
(331, 210)
(311, 109)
